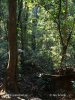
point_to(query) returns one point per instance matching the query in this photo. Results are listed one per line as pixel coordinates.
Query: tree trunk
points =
(34, 26)
(64, 49)
(23, 27)
(12, 63)
(25, 36)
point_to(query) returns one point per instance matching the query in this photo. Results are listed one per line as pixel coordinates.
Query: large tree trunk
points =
(12, 63)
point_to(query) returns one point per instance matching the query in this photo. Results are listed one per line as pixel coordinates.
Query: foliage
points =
(48, 47)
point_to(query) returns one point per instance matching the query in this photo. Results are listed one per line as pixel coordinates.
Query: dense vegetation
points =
(37, 37)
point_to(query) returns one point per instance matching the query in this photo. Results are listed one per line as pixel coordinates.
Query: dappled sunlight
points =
(37, 50)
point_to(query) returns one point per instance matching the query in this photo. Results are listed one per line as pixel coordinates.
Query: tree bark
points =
(12, 37)
(64, 49)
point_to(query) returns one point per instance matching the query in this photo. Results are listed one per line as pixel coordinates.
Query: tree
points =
(23, 26)
(12, 63)
(34, 26)
(67, 33)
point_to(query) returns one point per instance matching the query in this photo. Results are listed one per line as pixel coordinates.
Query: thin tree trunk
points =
(64, 49)
(64, 41)
(34, 27)
(20, 8)
(65, 45)
(24, 26)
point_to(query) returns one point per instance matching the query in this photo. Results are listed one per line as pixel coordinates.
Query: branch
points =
(69, 37)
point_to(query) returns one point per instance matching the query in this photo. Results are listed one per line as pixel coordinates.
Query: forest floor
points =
(58, 86)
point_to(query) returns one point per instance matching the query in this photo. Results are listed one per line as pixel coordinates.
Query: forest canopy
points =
(44, 29)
